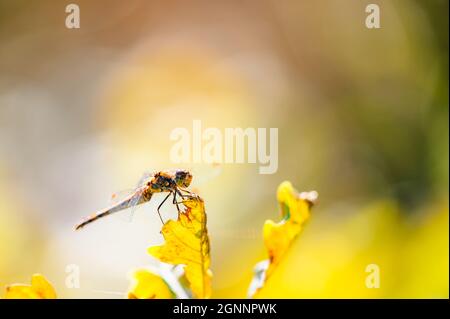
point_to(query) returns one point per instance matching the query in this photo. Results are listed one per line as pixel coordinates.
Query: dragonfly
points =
(172, 182)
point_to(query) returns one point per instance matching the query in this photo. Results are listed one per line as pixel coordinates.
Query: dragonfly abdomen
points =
(133, 200)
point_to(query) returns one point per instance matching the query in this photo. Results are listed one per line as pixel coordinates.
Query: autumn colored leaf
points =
(187, 243)
(295, 210)
(149, 285)
(40, 288)
(162, 282)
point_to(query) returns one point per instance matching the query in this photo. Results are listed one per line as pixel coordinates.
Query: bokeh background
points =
(362, 117)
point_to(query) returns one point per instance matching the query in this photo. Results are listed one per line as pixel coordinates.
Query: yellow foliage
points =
(187, 243)
(278, 237)
(148, 285)
(40, 288)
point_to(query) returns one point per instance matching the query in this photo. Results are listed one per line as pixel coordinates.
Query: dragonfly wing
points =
(120, 196)
(145, 177)
(134, 203)
(204, 173)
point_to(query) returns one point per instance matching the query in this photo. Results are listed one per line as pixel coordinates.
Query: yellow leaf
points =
(295, 210)
(187, 243)
(40, 288)
(148, 285)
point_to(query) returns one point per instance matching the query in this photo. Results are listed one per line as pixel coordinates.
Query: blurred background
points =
(362, 117)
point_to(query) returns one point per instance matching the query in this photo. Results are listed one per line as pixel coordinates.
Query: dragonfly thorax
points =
(165, 181)
(162, 182)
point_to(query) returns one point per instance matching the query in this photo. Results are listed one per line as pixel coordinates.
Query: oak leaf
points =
(295, 210)
(40, 288)
(149, 285)
(187, 243)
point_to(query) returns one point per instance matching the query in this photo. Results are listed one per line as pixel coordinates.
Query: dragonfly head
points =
(183, 178)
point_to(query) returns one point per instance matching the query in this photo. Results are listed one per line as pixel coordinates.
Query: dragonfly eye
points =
(183, 178)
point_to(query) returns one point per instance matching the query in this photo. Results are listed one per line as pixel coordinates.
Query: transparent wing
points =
(204, 173)
(134, 203)
(144, 178)
(119, 196)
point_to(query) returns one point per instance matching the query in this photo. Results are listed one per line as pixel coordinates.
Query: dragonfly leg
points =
(159, 207)
(176, 203)
(189, 193)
